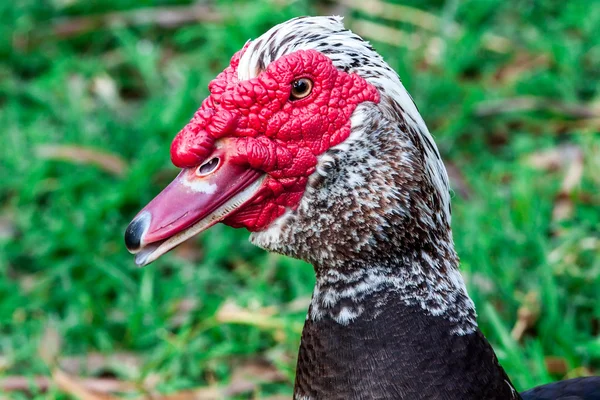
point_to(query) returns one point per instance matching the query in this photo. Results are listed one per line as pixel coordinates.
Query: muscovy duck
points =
(310, 141)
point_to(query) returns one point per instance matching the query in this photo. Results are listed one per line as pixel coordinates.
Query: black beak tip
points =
(135, 231)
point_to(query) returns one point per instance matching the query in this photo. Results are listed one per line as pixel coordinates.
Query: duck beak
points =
(197, 199)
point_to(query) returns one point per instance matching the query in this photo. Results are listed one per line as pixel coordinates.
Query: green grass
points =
(126, 89)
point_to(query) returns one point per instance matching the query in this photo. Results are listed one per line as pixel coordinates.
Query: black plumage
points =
(397, 353)
(572, 389)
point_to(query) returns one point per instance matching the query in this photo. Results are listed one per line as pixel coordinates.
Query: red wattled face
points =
(247, 153)
(277, 123)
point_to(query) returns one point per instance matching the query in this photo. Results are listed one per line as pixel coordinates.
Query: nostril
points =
(208, 167)
(136, 230)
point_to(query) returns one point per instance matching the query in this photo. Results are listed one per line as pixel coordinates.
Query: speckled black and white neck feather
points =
(390, 316)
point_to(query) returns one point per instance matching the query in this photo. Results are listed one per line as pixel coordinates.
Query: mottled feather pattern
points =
(361, 231)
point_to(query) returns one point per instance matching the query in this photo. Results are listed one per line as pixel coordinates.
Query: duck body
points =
(396, 353)
(310, 141)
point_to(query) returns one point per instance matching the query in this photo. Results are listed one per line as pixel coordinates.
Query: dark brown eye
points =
(301, 88)
(208, 167)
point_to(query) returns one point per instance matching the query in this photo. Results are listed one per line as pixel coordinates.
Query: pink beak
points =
(195, 200)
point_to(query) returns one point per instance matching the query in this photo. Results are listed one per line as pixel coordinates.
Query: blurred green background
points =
(91, 94)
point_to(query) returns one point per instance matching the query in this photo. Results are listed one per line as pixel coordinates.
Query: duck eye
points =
(301, 88)
(208, 167)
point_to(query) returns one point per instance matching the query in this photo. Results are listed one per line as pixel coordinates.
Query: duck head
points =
(309, 140)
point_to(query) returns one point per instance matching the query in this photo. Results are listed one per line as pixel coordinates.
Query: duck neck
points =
(426, 277)
(400, 331)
